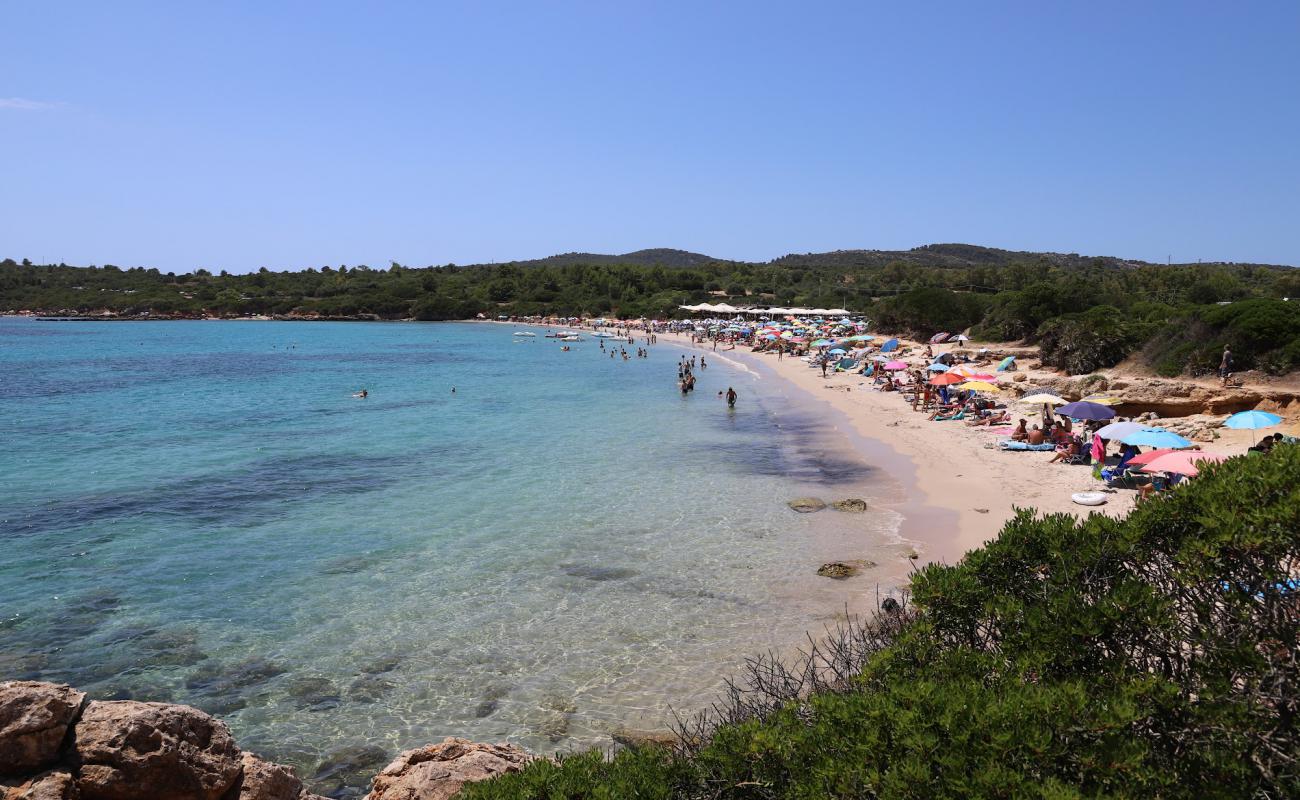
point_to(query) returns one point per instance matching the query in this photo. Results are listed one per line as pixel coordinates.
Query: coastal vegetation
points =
(1152, 656)
(1088, 313)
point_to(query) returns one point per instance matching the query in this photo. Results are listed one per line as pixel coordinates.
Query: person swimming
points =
(363, 394)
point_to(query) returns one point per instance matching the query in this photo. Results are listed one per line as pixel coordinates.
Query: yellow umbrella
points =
(979, 386)
(1043, 397)
(1103, 400)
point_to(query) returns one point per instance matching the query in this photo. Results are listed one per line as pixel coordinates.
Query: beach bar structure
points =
(724, 308)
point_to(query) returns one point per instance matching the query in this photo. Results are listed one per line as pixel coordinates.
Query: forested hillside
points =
(1089, 312)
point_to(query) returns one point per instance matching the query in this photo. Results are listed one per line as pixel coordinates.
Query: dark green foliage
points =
(921, 312)
(1155, 656)
(1092, 340)
(1263, 333)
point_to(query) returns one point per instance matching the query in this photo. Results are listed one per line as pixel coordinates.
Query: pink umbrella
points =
(1183, 462)
(896, 365)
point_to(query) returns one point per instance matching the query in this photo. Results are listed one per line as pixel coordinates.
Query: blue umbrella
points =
(1156, 437)
(1085, 410)
(1251, 420)
(938, 367)
(837, 351)
(889, 346)
(1006, 363)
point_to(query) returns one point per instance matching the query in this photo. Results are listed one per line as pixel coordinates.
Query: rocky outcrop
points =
(437, 771)
(34, 722)
(807, 505)
(55, 746)
(1168, 398)
(178, 751)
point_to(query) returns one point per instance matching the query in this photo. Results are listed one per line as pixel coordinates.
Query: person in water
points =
(363, 394)
(731, 397)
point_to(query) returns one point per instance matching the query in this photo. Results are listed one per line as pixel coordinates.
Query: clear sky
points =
(237, 135)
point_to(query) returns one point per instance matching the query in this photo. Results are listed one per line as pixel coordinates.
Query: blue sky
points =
(238, 135)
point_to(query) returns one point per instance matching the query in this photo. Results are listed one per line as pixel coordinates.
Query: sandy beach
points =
(958, 489)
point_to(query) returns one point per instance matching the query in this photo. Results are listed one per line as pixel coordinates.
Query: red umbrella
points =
(1146, 458)
(1183, 462)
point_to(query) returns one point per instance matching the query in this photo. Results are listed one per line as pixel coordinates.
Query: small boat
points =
(529, 334)
(571, 338)
(606, 335)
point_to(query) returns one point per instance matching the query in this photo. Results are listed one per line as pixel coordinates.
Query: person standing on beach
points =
(1225, 365)
(731, 397)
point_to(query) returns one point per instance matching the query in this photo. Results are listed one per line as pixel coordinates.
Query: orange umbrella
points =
(946, 379)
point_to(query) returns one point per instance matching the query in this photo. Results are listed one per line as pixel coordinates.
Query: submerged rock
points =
(843, 569)
(438, 771)
(34, 721)
(851, 505)
(349, 767)
(598, 573)
(807, 505)
(178, 752)
(314, 693)
(634, 739)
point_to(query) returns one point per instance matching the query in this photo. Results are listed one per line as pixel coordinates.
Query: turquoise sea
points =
(201, 512)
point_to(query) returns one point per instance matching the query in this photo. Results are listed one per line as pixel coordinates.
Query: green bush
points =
(923, 312)
(1154, 656)
(1092, 340)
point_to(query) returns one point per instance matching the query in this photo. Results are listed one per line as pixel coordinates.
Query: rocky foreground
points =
(57, 745)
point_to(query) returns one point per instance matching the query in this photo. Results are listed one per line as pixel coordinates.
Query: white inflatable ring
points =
(1089, 498)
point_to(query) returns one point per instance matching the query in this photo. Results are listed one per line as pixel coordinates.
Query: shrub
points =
(922, 312)
(1080, 343)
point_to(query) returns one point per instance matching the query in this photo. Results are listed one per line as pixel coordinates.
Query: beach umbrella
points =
(1043, 398)
(1117, 430)
(1085, 410)
(787, 335)
(771, 337)
(946, 379)
(896, 365)
(961, 337)
(979, 386)
(889, 346)
(1006, 363)
(938, 367)
(821, 342)
(838, 351)
(1156, 437)
(981, 376)
(1182, 462)
(1149, 456)
(939, 337)
(1251, 420)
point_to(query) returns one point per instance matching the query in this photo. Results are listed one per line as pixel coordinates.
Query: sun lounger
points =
(1045, 447)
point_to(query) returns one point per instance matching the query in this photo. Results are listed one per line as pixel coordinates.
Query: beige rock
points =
(807, 505)
(53, 785)
(843, 569)
(34, 722)
(437, 771)
(635, 739)
(263, 780)
(179, 752)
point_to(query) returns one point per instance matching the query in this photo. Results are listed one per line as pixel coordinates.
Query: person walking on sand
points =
(1225, 365)
(823, 367)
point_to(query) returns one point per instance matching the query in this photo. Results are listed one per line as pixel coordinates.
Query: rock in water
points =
(34, 720)
(807, 505)
(852, 505)
(263, 780)
(843, 569)
(437, 771)
(179, 752)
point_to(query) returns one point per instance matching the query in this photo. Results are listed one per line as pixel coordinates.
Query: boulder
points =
(53, 785)
(852, 505)
(807, 505)
(179, 752)
(636, 739)
(1019, 377)
(437, 771)
(34, 722)
(263, 780)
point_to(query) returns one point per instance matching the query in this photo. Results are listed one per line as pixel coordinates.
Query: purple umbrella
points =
(1085, 410)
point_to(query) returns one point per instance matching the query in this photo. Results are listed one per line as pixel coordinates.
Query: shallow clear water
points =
(201, 512)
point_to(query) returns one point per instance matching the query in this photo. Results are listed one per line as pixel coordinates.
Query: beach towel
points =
(1021, 446)
(1098, 449)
